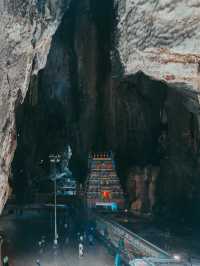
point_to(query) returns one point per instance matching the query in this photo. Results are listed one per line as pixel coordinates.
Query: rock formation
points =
(141, 188)
(26, 30)
(161, 39)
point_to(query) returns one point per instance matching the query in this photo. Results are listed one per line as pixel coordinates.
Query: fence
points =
(134, 246)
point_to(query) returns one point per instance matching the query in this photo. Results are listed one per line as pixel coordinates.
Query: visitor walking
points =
(121, 244)
(117, 259)
(91, 239)
(38, 263)
(78, 236)
(81, 238)
(66, 233)
(40, 247)
(5, 261)
(81, 249)
(41, 244)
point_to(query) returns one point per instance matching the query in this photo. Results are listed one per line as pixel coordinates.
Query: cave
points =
(78, 100)
(101, 98)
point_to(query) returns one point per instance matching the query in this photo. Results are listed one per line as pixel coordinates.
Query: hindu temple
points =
(103, 184)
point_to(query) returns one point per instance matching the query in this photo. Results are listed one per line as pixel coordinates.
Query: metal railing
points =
(134, 245)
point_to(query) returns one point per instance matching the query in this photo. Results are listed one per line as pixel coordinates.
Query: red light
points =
(106, 194)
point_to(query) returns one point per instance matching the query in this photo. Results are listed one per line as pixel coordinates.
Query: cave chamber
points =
(151, 127)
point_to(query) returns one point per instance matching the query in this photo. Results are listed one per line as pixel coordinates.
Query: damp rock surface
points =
(26, 30)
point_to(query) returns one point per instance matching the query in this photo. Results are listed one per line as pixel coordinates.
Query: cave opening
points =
(75, 100)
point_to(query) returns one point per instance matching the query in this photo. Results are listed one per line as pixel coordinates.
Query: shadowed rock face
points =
(26, 29)
(67, 102)
(160, 38)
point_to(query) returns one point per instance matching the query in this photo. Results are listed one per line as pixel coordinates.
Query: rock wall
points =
(66, 103)
(26, 30)
(161, 39)
(141, 188)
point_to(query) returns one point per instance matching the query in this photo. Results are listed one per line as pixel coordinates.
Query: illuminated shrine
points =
(103, 184)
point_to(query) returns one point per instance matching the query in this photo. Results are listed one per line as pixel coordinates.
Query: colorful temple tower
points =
(103, 184)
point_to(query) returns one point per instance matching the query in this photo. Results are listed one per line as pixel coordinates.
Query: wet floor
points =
(22, 236)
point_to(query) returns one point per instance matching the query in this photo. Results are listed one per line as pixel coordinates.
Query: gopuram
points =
(102, 184)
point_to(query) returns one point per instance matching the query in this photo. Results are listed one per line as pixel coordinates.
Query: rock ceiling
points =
(161, 39)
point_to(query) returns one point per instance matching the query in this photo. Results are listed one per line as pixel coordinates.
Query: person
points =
(85, 236)
(81, 238)
(40, 247)
(190, 260)
(41, 244)
(66, 226)
(80, 250)
(38, 263)
(5, 261)
(43, 241)
(91, 239)
(66, 239)
(117, 259)
(121, 244)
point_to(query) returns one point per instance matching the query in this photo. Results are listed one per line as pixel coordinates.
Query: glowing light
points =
(106, 194)
(177, 257)
(140, 263)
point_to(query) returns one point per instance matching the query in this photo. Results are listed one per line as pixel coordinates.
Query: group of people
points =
(41, 245)
(86, 237)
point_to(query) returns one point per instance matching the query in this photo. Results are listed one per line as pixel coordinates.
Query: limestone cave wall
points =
(161, 39)
(26, 29)
(85, 98)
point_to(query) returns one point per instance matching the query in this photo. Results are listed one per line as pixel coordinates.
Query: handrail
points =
(141, 239)
(161, 253)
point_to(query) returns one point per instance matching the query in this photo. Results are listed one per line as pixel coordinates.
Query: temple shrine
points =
(103, 184)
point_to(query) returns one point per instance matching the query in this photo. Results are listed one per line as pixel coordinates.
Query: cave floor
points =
(23, 233)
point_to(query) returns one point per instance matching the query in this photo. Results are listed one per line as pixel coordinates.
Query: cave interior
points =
(77, 100)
